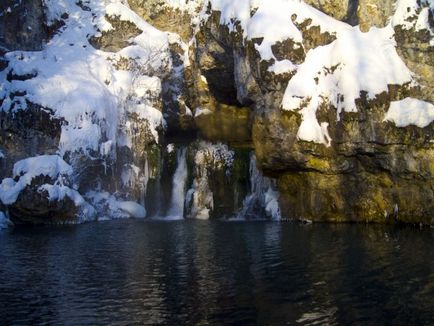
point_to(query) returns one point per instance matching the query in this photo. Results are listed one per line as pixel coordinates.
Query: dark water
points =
(137, 272)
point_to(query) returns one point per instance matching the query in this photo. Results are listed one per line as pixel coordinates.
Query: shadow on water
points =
(193, 272)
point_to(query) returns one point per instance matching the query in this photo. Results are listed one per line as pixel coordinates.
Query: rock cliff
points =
(314, 110)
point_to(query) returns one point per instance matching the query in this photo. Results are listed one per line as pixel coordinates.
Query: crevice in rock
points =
(221, 82)
(351, 17)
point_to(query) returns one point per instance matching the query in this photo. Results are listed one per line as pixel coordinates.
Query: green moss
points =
(226, 123)
(318, 164)
(153, 154)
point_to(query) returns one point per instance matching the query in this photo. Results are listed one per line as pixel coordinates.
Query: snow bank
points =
(410, 111)
(115, 208)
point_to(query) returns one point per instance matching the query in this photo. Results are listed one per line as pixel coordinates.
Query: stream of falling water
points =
(176, 208)
(263, 198)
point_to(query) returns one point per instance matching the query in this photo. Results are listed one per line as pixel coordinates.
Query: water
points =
(200, 272)
(263, 197)
(176, 210)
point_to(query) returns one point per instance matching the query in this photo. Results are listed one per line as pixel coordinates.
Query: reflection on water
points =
(193, 272)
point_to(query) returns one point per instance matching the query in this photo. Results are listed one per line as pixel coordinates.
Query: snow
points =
(283, 66)
(89, 91)
(116, 208)
(410, 111)
(423, 19)
(52, 166)
(170, 148)
(199, 111)
(81, 84)
(336, 74)
(2, 155)
(106, 148)
(233, 13)
(132, 208)
(189, 6)
(152, 115)
(333, 74)
(407, 10)
(272, 22)
(48, 165)
(59, 192)
(56, 8)
(84, 137)
(414, 14)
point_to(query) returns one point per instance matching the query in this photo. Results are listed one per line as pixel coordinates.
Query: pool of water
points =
(195, 272)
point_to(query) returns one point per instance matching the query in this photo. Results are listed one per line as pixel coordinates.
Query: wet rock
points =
(361, 197)
(376, 13)
(34, 207)
(336, 8)
(220, 181)
(218, 88)
(117, 38)
(415, 47)
(27, 133)
(164, 17)
(22, 25)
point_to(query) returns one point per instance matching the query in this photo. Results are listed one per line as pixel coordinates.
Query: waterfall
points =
(176, 209)
(262, 201)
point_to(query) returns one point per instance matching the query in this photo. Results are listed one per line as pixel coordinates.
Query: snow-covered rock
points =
(336, 100)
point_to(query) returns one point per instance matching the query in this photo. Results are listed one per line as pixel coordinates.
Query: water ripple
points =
(193, 272)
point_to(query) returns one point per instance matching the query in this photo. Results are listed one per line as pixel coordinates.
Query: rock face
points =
(164, 17)
(371, 167)
(339, 9)
(376, 13)
(214, 97)
(23, 25)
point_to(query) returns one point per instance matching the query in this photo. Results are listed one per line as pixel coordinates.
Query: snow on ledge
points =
(49, 165)
(410, 111)
(117, 208)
